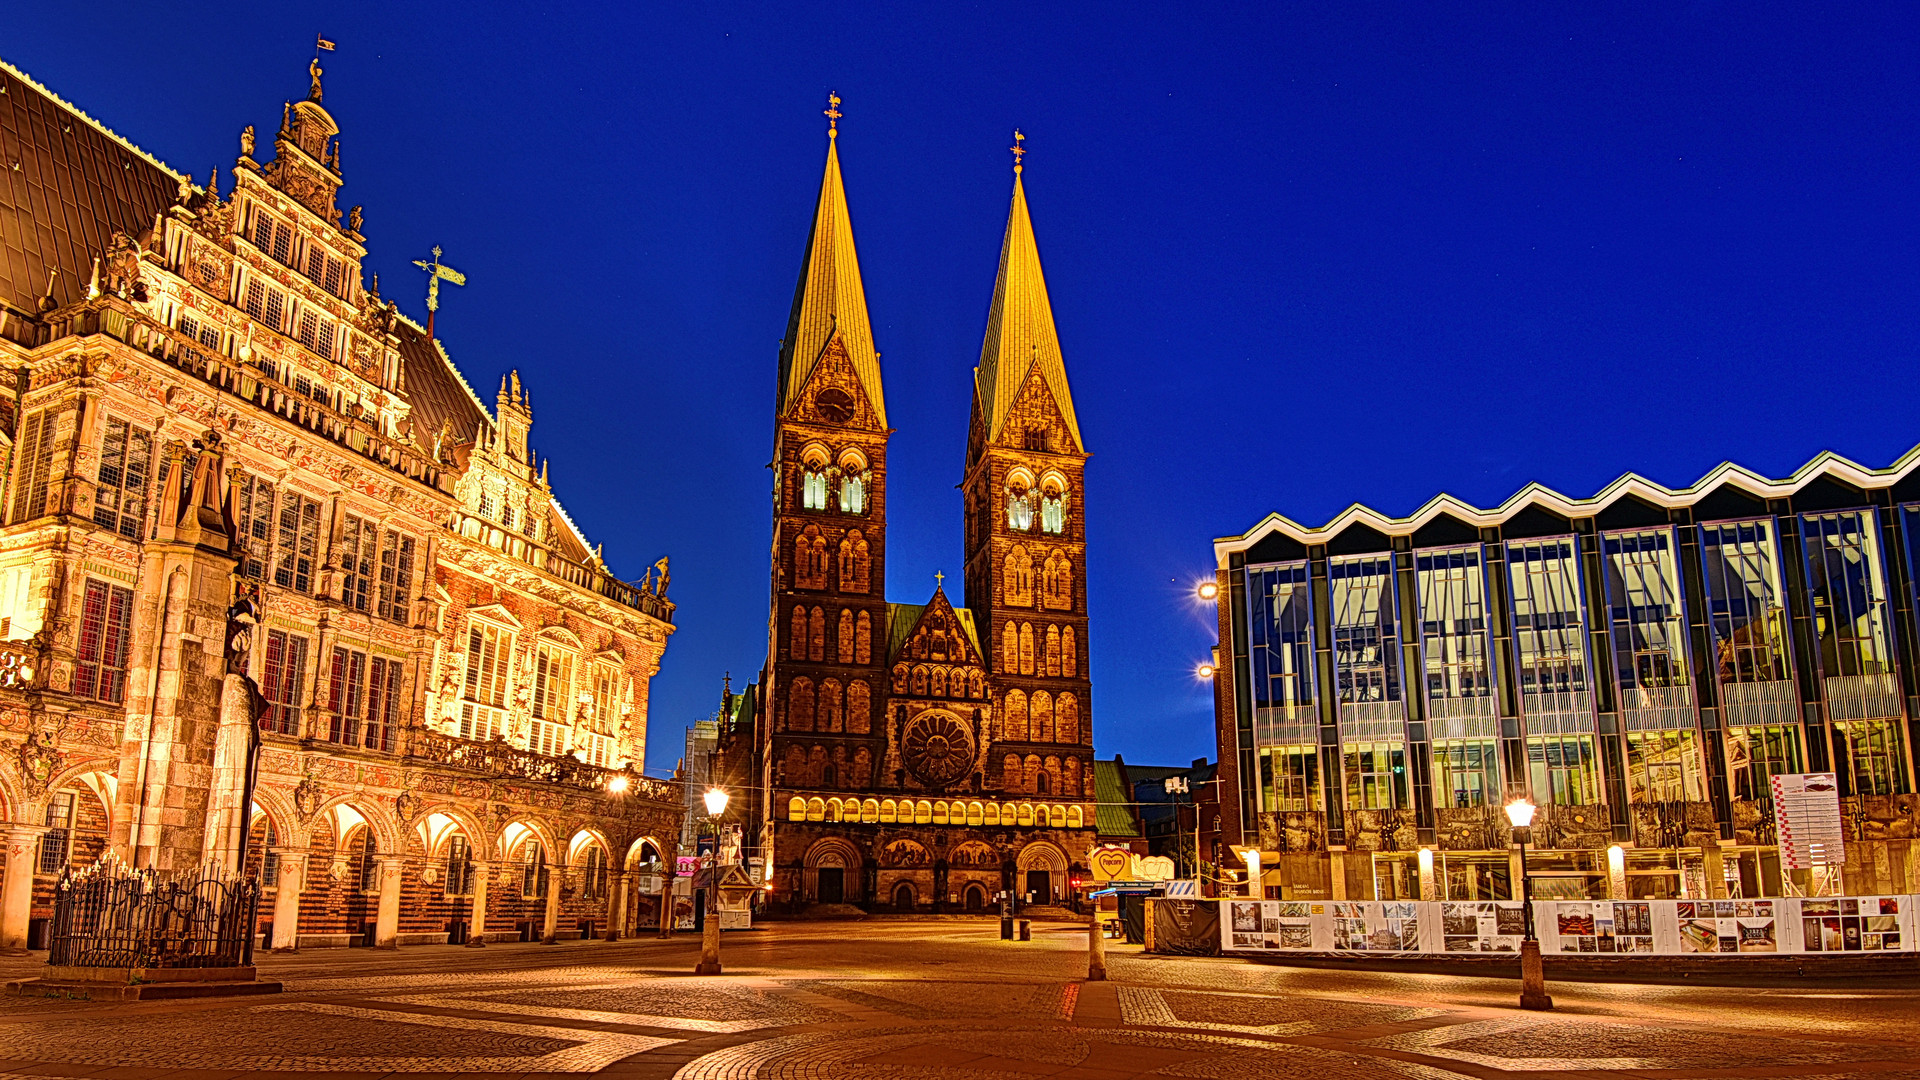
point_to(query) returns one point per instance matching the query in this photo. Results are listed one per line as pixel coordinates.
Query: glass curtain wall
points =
(1556, 699)
(1455, 653)
(1746, 611)
(1846, 582)
(1366, 665)
(1651, 666)
(1286, 727)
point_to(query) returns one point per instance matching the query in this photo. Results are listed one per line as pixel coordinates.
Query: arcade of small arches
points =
(935, 812)
(1043, 503)
(834, 482)
(1055, 592)
(904, 874)
(852, 638)
(932, 680)
(1053, 651)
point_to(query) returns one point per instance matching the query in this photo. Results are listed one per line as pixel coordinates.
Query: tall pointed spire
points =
(1020, 334)
(830, 301)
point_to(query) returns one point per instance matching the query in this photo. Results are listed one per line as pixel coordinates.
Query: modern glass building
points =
(1639, 663)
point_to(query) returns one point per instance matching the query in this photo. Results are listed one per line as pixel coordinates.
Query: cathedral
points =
(252, 513)
(928, 755)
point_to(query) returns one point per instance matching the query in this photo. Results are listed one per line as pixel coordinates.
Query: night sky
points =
(1299, 259)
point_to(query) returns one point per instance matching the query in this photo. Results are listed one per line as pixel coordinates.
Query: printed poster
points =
(1727, 926)
(1380, 926)
(1481, 926)
(1850, 924)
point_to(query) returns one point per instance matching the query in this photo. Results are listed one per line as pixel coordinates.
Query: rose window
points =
(938, 748)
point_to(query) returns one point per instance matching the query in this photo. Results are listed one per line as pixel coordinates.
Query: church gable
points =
(939, 635)
(833, 393)
(1036, 421)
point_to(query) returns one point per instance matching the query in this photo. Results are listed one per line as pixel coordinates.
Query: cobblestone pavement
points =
(939, 1000)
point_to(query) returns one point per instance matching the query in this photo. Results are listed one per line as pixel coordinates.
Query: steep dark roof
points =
(435, 390)
(67, 184)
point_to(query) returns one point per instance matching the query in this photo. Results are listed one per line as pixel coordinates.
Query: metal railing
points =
(504, 759)
(110, 916)
(580, 575)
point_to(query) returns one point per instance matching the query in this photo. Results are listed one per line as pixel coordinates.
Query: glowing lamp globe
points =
(1520, 813)
(1205, 671)
(716, 801)
(618, 784)
(1208, 590)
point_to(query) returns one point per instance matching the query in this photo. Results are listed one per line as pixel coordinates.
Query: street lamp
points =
(716, 800)
(1533, 976)
(1208, 591)
(1205, 671)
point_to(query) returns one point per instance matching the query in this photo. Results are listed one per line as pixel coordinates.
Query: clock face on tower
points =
(834, 405)
(937, 748)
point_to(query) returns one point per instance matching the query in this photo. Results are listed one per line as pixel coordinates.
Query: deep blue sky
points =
(1300, 257)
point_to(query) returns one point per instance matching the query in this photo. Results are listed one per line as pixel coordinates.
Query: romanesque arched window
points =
(1016, 584)
(862, 639)
(844, 638)
(1069, 653)
(797, 633)
(1026, 648)
(1010, 773)
(1057, 583)
(1053, 652)
(1070, 780)
(1014, 716)
(853, 563)
(859, 708)
(862, 775)
(1032, 769)
(899, 678)
(1053, 506)
(853, 483)
(1042, 716)
(817, 766)
(1010, 648)
(1066, 720)
(800, 705)
(1042, 785)
(1020, 500)
(830, 718)
(813, 478)
(939, 687)
(810, 559)
(918, 687)
(817, 635)
(793, 770)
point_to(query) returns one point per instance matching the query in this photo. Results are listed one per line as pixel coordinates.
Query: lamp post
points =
(1533, 976)
(716, 800)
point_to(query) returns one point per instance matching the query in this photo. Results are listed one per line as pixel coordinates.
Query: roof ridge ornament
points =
(833, 115)
(1019, 150)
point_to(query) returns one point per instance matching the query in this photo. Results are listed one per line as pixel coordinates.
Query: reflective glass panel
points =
(1848, 590)
(1745, 605)
(1643, 603)
(1466, 772)
(1663, 766)
(1548, 628)
(1563, 770)
(1453, 623)
(1755, 754)
(1280, 642)
(1365, 645)
(1376, 775)
(1289, 778)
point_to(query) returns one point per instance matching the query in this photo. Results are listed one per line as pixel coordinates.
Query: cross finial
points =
(939, 579)
(1019, 151)
(833, 115)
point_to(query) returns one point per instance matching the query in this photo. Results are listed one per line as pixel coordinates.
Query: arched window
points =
(1017, 583)
(1053, 508)
(830, 717)
(862, 639)
(919, 685)
(939, 688)
(1014, 719)
(853, 563)
(1069, 653)
(796, 809)
(1010, 648)
(1026, 648)
(830, 778)
(1057, 582)
(800, 707)
(817, 767)
(810, 559)
(797, 635)
(1019, 505)
(1053, 652)
(1010, 773)
(813, 486)
(1032, 781)
(844, 639)
(899, 678)
(794, 768)
(817, 635)
(853, 492)
(1042, 786)
(859, 709)
(862, 776)
(1066, 722)
(1042, 716)
(1070, 780)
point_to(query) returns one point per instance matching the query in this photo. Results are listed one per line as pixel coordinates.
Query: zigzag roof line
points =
(1826, 463)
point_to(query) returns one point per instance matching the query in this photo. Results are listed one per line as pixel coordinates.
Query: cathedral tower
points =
(1025, 530)
(827, 641)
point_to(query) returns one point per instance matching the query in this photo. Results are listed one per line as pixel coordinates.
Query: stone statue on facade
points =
(246, 141)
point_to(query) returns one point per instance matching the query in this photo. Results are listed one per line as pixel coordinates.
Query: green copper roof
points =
(1113, 818)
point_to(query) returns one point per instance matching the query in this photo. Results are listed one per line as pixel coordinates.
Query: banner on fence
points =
(1806, 816)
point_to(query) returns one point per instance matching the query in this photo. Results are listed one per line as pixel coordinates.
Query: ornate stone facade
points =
(922, 755)
(245, 495)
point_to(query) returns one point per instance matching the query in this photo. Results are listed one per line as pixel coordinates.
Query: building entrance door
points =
(1040, 884)
(833, 885)
(976, 898)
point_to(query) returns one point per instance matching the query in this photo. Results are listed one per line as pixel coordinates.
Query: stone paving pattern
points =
(940, 1001)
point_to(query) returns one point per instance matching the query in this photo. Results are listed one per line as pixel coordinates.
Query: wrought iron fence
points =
(111, 916)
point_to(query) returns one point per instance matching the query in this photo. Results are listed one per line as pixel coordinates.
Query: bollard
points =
(1026, 930)
(1006, 928)
(1096, 947)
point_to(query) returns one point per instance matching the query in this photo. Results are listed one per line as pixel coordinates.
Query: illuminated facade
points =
(924, 755)
(1638, 663)
(208, 406)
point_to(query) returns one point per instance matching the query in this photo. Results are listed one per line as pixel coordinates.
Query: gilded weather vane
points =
(436, 274)
(1019, 150)
(833, 114)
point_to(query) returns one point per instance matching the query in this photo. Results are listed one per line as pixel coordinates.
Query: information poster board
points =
(1854, 923)
(1727, 926)
(1806, 810)
(1273, 924)
(1376, 925)
(1482, 925)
